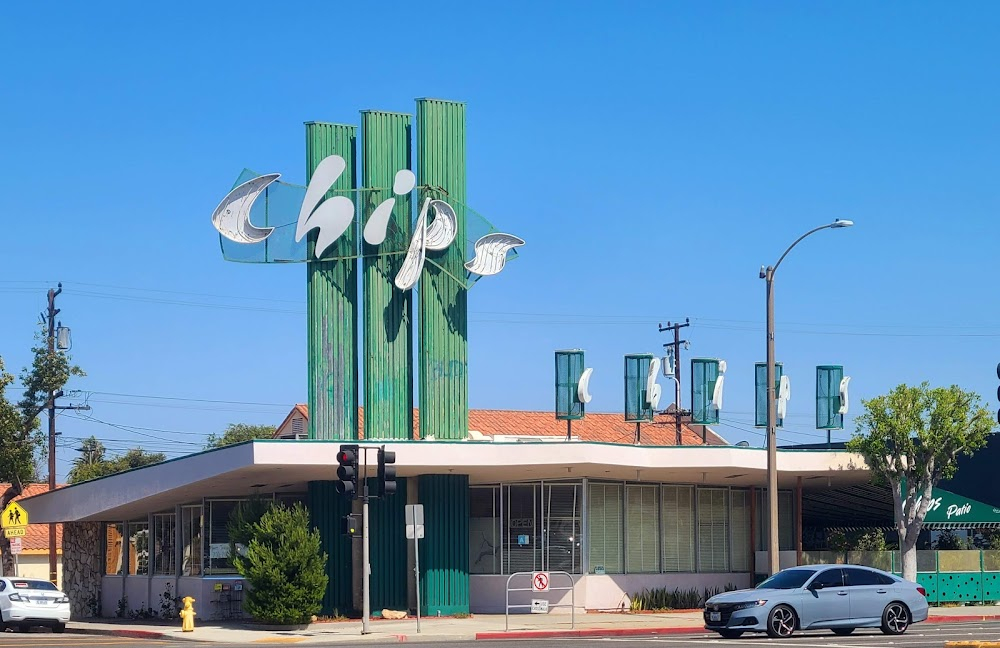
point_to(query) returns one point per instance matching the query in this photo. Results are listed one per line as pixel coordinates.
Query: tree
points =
(239, 433)
(910, 439)
(285, 567)
(94, 465)
(20, 439)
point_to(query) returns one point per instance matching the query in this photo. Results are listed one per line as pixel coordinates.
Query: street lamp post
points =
(772, 421)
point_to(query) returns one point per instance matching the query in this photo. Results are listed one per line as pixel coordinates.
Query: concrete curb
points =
(590, 632)
(633, 632)
(972, 644)
(129, 633)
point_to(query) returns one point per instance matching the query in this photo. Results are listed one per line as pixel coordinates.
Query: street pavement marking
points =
(276, 640)
(68, 641)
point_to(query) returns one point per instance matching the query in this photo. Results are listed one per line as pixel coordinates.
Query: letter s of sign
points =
(334, 215)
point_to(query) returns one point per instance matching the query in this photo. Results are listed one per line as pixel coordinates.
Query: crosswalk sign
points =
(14, 516)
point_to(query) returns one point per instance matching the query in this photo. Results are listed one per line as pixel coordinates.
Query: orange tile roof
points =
(596, 426)
(37, 538)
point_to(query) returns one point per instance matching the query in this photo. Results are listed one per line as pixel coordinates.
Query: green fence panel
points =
(569, 368)
(959, 587)
(326, 509)
(828, 379)
(991, 586)
(389, 549)
(760, 386)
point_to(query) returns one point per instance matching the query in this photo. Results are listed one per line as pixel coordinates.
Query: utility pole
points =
(676, 345)
(52, 312)
(51, 406)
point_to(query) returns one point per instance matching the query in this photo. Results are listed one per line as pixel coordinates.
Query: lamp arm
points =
(812, 231)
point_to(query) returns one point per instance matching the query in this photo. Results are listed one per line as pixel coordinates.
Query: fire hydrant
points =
(187, 615)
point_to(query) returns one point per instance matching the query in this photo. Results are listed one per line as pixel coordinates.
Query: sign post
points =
(15, 549)
(414, 531)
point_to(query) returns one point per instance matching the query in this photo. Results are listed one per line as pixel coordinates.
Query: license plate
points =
(715, 616)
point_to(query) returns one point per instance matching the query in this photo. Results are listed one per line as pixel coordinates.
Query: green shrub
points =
(661, 598)
(284, 567)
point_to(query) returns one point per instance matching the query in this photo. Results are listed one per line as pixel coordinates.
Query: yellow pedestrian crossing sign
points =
(14, 516)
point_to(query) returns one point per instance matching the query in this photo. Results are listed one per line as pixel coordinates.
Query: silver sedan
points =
(832, 597)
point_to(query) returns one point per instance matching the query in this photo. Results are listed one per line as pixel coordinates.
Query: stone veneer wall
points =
(83, 564)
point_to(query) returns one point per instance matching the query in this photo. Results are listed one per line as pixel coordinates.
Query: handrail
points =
(508, 590)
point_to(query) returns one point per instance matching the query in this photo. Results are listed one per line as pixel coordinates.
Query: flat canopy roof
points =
(277, 466)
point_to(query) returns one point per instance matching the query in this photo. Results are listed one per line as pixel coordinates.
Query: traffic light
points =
(350, 525)
(347, 473)
(386, 472)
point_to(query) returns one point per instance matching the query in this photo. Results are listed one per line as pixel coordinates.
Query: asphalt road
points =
(919, 636)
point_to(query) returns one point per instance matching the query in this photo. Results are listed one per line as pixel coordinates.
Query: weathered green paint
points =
(388, 312)
(326, 509)
(444, 381)
(389, 546)
(444, 551)
(332, 302)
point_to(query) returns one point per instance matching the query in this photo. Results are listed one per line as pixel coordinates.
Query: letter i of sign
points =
(378, 222)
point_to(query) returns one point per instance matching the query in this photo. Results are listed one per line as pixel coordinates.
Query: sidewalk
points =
(435, 629)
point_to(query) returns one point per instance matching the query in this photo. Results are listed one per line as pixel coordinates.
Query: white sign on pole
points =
(540, 582)
(539, 606)
(15, 546)
(414, 514)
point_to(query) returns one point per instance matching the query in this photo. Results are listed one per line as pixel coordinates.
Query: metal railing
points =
(549, 588)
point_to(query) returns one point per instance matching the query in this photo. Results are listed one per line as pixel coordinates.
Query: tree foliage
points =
(242, 520)
(239, 433)
(911, 439)
(93, 464)
(21, 442)
(284, 566)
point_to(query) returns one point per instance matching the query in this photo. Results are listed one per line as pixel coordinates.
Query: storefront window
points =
(164, 555)
(739, 519)
(605, 532)
(138, 548)
(484, 530)
(678, 528)
(216, 548)
(191, 523)
(522, 535)
(114, 550)
(713, 530)
(562, 527)
(642, 529)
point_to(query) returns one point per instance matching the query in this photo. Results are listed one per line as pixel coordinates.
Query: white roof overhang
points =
(277, 466)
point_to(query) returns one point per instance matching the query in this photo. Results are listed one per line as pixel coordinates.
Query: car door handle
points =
(881, 591)
(841, 593)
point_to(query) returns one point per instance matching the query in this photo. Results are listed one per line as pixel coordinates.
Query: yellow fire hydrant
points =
(187, 615)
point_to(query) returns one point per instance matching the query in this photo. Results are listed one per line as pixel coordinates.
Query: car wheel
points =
(731, 634)
(895, 618)
(59, 628)
(781, 622)
(843, 632)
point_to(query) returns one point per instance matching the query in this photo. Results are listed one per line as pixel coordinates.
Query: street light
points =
(772, 431)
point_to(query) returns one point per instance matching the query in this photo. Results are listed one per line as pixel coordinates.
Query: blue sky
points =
(652, 155)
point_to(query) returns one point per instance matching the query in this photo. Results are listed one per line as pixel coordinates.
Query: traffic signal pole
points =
(366, 603)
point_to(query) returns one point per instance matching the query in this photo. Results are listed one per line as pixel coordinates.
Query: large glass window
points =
(786, 521)
(164, 555)
(562, 527)
(739, 519)
(484, 530)
(605, 533)
(114, 549)
(191, 523)
(678, 528)
(216, 546)
(713, 530)
(138, 548)
(523, 534)
(642, 529)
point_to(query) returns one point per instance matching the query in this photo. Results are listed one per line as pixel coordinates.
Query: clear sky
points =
(653, 156)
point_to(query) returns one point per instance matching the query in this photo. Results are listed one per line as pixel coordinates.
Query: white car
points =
(26, 602)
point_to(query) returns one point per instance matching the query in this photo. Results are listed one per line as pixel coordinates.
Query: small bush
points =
(284, 566)
(661, 598)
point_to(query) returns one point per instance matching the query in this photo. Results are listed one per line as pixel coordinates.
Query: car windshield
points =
(33, 584)
(788, 579)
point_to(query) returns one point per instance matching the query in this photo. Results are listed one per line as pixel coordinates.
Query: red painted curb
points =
(131, 634)
(945, 618)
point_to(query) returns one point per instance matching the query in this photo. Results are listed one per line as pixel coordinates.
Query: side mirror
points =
(815, 586)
